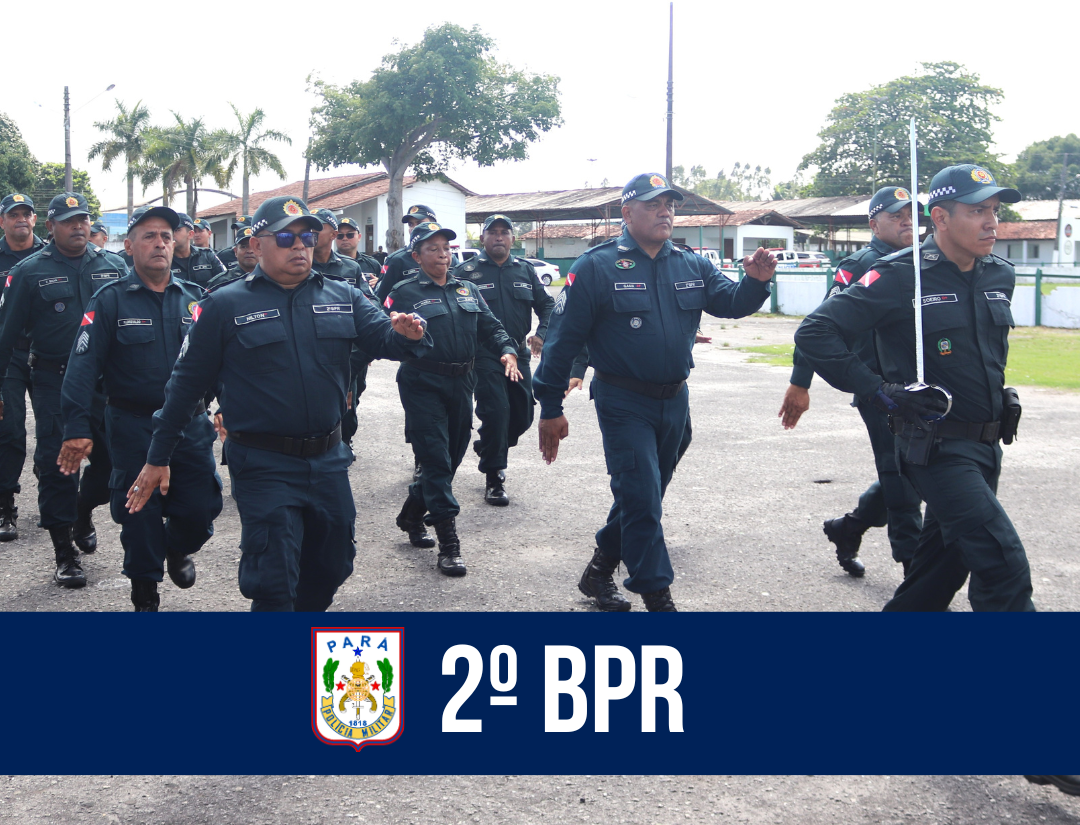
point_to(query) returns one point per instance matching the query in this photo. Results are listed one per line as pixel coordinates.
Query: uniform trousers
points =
(891, 500)
(493, 408)
(58, 494)
(13, 425)
(643, 441)
(183, 520)
(297, 526)
(965, 530)
(438, 423)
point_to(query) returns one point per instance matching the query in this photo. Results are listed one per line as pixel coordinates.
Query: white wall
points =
(1069, 244)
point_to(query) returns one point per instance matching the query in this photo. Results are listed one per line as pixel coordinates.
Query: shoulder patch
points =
(869, 278)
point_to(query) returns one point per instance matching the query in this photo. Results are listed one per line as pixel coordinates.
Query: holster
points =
(919, 440)
(1010, 414)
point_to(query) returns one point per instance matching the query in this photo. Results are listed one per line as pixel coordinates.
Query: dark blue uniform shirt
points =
(638, 315)
(47, 297)
(131, 336)
(8, 258)
(345, 269)
(512, 291)
(398, 266)
(281, 355)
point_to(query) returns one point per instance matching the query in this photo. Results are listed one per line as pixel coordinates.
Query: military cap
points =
(170, 216)
(185, 220)
(648, 186)
(202, 223)
(348, 222)
(889, 199)
(422, 231)
(327, 217)
(67, 205)
(968, 183)
(13, 200)
(242, 234)
(99, 228)
(497, 219)
(419, 212)
(241, 221)
(277, 213)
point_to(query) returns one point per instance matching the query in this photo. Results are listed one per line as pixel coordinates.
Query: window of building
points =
(1034, 251)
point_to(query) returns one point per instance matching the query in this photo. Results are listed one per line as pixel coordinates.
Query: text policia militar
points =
(502, 673)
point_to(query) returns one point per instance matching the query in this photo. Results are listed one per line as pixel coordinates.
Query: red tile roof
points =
(1027, 231)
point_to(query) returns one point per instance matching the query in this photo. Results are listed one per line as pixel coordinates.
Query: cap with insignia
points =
(277, 213)
(889, 199)
(171, 217)
(348, 222)
(429, 229)
(327, 217)
(241, 221)
(13, 200)
(497, 219)
(99, 228)
(968, 183)
(203, 224)
(419, 212)
(648, 186)
(242, 235)
(185, 220)
(67, 205)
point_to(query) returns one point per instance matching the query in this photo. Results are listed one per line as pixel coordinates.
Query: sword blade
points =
(916, 255)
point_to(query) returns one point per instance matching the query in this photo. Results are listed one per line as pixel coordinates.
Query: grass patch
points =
(778, 355)
(1048, 288)
(1045, 357)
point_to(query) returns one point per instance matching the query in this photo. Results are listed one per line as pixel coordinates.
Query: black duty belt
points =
(442, 367)
(661, 392)
(145, 409)
(38, 363)
(987, 433)
(296, 447)
(22, 343)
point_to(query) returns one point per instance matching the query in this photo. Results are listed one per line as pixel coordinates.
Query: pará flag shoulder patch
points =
(843, 277)
(570, 278)
(87, 319)
(196, 311)
(869, 278)
(389, 302)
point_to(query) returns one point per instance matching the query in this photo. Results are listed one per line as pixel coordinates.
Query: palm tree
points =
(128, 134)
(244, 149)
(196, 153)
(158, 159)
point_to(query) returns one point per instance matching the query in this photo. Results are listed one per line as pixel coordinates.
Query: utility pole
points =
(68, 186)
(670, 85)
(307, 168)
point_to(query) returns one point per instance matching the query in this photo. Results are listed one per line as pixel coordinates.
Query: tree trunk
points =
(190, 195)
(131, 191)
(393, 206)
(247, 181)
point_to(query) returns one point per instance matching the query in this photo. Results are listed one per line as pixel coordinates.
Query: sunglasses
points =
(343, 235)
(285, 240)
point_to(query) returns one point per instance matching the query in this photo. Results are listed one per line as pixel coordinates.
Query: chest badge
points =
(59, 306)
(462, 290)
(625, 263)
(635, 323)
(944, 346)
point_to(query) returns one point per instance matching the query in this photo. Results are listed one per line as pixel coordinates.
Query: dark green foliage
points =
(18, 168)
(387, 673)
(50, 183)
(1037, 171)
(328, 672)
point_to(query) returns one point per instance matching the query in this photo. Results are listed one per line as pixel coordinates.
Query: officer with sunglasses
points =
(279, 343)
(348, 246)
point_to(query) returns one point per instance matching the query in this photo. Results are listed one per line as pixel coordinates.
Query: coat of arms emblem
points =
(356, 685)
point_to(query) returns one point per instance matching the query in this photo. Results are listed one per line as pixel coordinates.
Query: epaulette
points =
(409, 280)
(468, 266)
(1001, 260)
(604, 245)
(897, 255)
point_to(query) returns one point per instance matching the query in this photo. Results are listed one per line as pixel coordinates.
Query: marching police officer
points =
(637, 302)
(278, 341)
(246, 259)
(17, 219)
(891, 499)
(131, 333)
(512, 290)
(47, 298)
(192, 263)
(227, 254)
(202, 235)
(400, 264)
(436, 391)
(954, 463)
(348, 246)
(99, 234)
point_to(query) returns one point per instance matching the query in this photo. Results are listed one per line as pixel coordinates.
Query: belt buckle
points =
(667, 392)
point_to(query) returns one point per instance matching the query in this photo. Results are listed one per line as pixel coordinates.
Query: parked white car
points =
(545, 271)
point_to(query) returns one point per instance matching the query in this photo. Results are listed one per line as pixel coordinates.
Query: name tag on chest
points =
(931, 300)
(105, 276)
(428, 301)
(50, 281)
(134, 322)
(621, 286)
(518, 285)
(690, 285)
(485, 286)
(996, 296)
(327, 309)
(261, 315)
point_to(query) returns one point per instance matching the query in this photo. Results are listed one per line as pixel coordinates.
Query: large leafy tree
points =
(50, 183)
(745, 183)
(244, 150)
(1038, 170)
(444, 99)
(18, 167)
(157, 162)
(865, 143)
(196, 153)
(127, 139)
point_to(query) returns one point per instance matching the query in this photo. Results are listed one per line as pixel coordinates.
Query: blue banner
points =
(481, 693)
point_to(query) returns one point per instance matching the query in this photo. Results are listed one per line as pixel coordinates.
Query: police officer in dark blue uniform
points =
(99, 234)
(637, 303)
(227, 254)
(131, 334)
(348, 246)
(47, 297)
(202, 235)
(192, 263)
(17, 219)
(954, 463)
(513, 292)
(245, 258)
(400, 264)
(891, 499)
(436, 391)
(278, 342)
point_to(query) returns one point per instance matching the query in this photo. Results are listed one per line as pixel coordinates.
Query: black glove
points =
(917, 406)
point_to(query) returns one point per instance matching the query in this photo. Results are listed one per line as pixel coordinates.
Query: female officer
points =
(436, 390)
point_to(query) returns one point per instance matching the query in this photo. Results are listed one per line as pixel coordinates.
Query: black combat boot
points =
(144, 595)
(411, 521)
(846, 533)
(450, 563)
(9, 519)
(83, 532)
(598, 583)
(181, 569)
(68, 572)
(659, 602)
(1068, 784)
(417, 470)
(495, 493)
